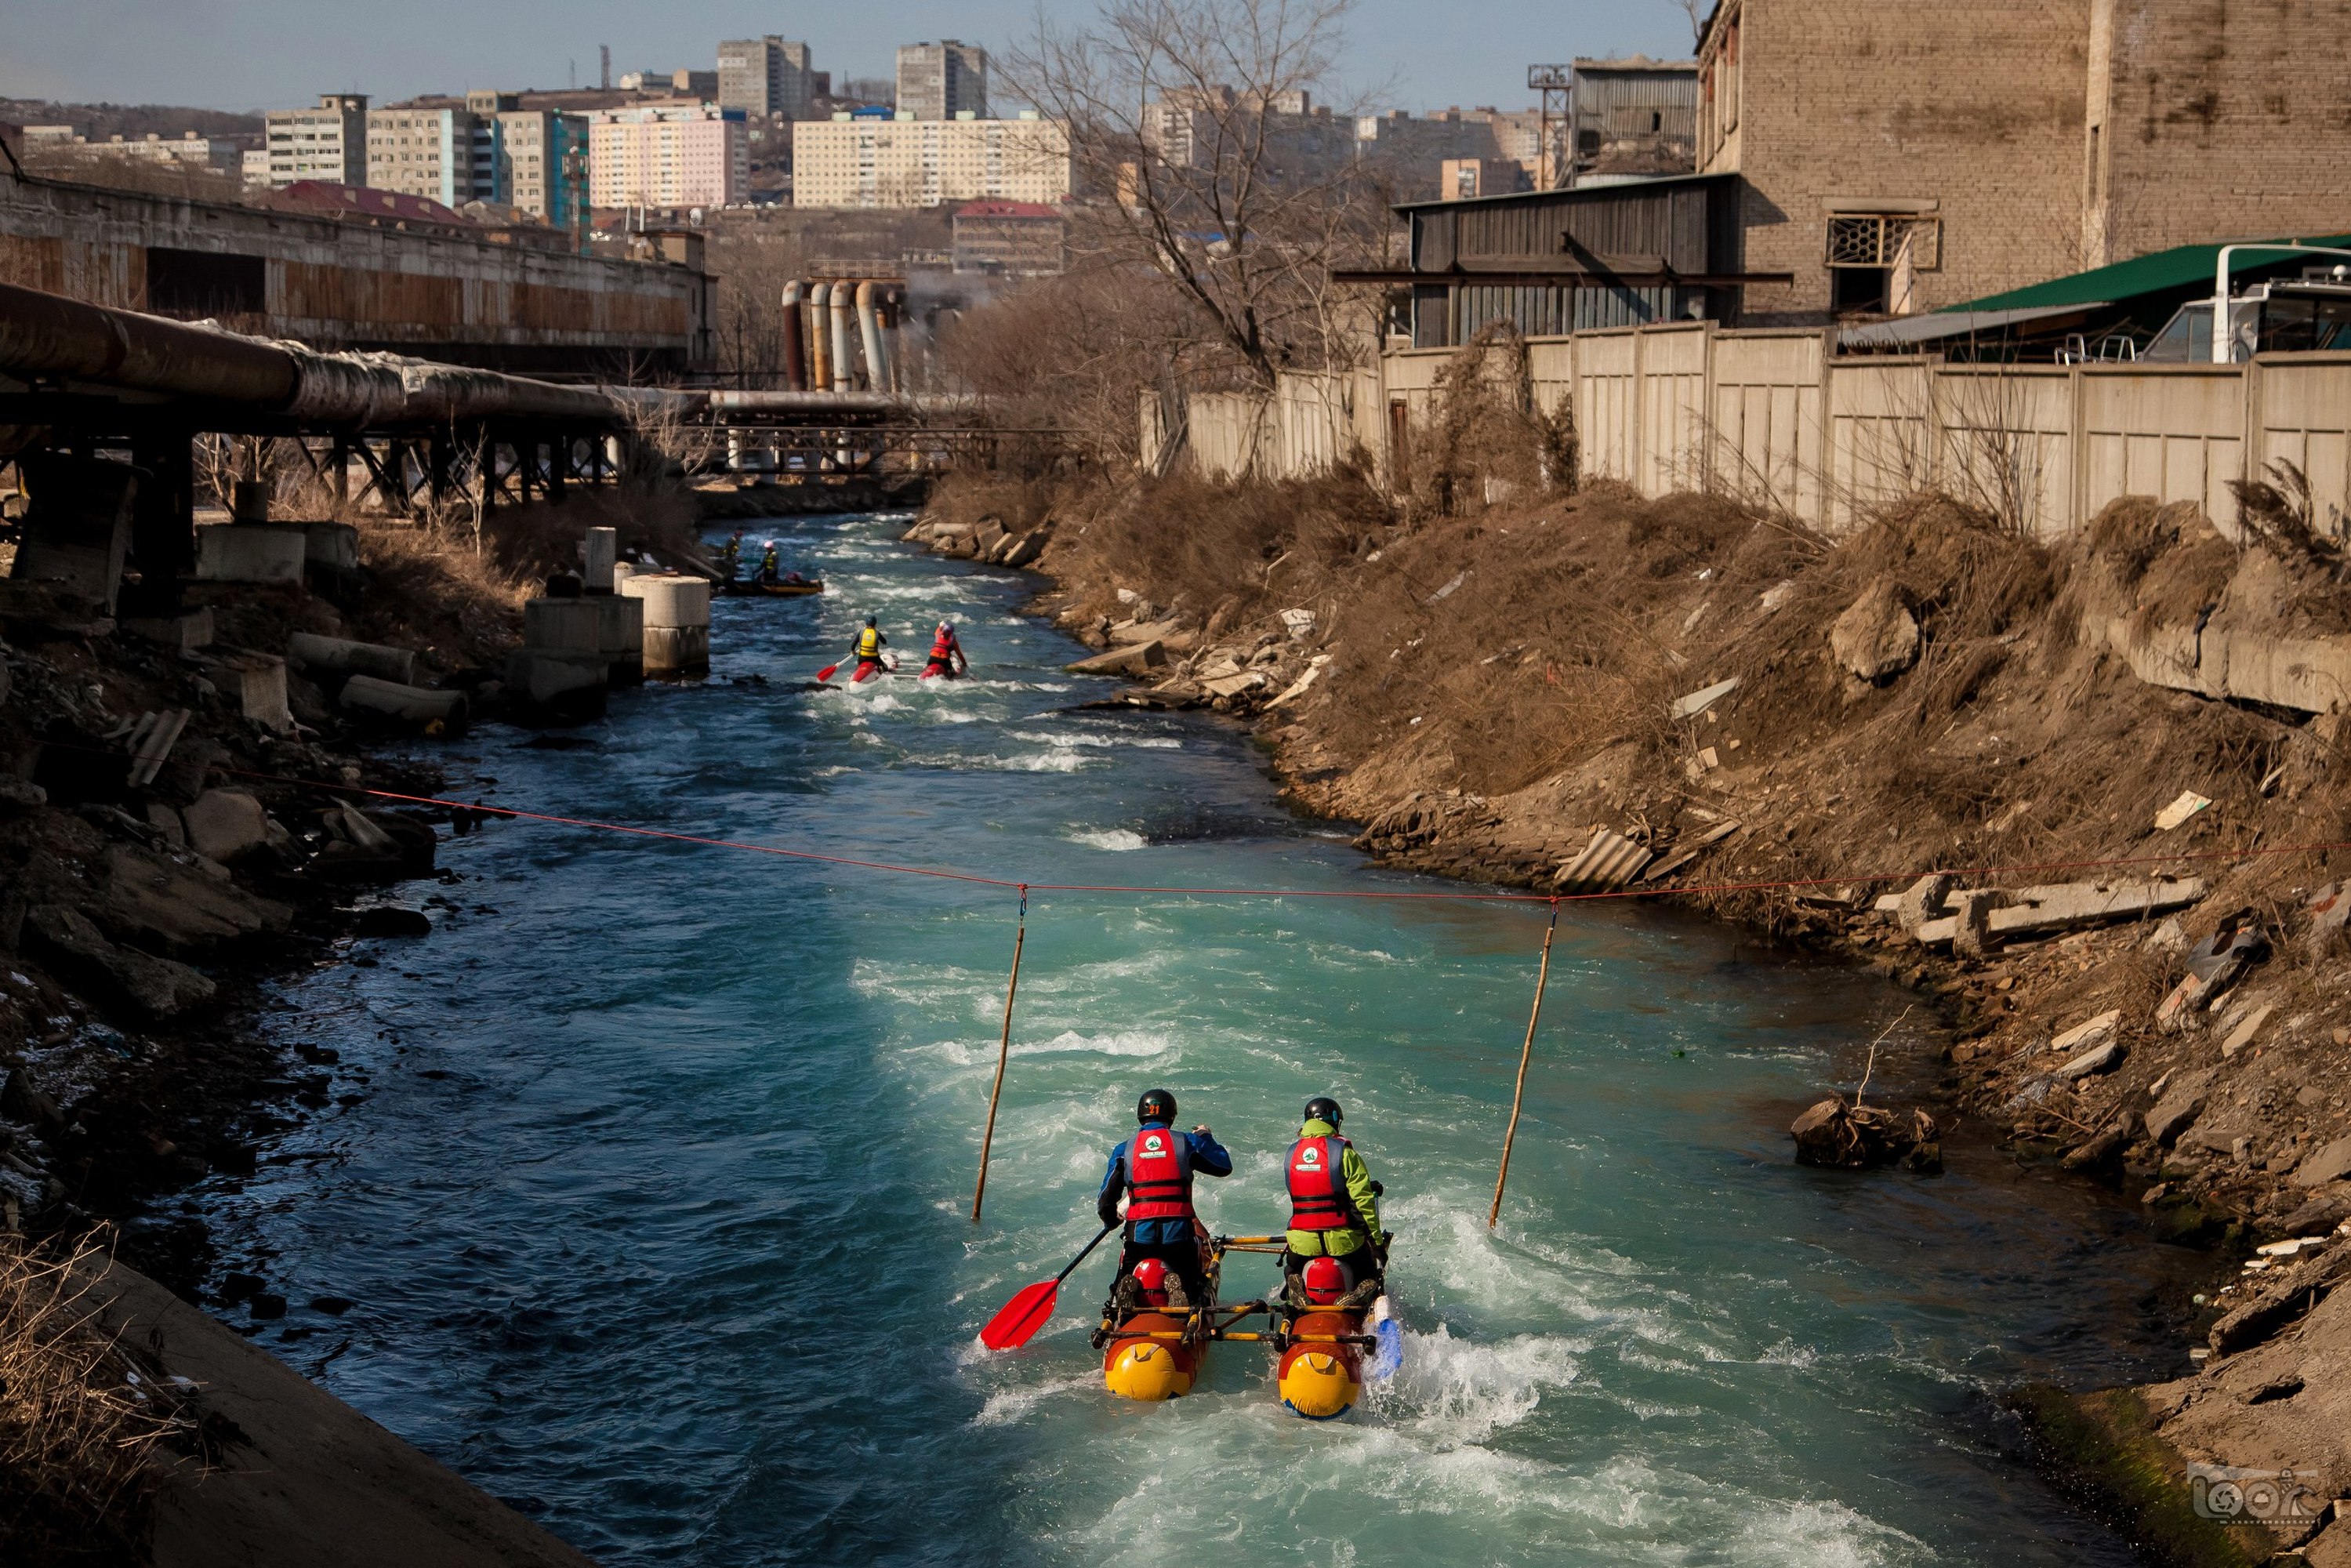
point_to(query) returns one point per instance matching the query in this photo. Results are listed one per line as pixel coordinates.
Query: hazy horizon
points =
(250, 54)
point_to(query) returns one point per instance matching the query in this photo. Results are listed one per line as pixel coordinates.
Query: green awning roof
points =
(2159, 272)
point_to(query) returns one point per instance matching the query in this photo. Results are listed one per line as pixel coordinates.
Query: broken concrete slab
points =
(1972, 915)
(258, 682)
(156, 900)
(2088, 1033)
(226, 825)
(2242, 1035)
(419, 707)
(160, 986)
(150, 741)
(2182, 1101)
(2034, 910)
(1922, 901)
(1128, 633)
(1298, 622)
(2101, 1058)
(1132, 661)
(2331, 1163)
(1234, 685)
(185, 633)
(1877, 638)
(1698, 701)
(1304, 684)
(251, 553)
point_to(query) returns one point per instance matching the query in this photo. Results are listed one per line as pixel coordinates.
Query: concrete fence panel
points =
(1673, 407)
(2173, 432)
(2304, 419)
(1608, 404)
(1881, 437)
(1764, 417)
(2006, 442)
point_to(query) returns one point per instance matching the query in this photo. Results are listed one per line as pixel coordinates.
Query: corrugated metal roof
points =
(1569, 195)
(1953, 323)
(2158, 272)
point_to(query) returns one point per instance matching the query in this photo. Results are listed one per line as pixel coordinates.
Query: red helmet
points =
(1152, 1275)
(1326, 1279)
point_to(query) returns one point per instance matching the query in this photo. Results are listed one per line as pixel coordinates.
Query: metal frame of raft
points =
(1155, 1354)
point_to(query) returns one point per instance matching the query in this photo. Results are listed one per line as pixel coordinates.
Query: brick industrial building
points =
(1897, 158)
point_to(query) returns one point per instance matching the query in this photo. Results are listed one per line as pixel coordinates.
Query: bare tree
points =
(1698, 12)
(1190, 121)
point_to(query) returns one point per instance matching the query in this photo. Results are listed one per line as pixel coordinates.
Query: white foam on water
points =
(1452, 1392)
(1008, 1406)
(1114, 839)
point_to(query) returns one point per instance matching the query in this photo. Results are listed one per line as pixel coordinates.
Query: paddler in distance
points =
(867, 652)
(1153, 1170)
(1334, 1205)
(946, 655)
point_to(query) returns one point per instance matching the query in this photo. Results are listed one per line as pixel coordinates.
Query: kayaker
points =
(1153, 1170)
(768, 564)
(730, 554)
(946, 655)
(1334, 1206)
(867, 652)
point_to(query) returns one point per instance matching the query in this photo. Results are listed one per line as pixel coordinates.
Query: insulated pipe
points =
(869, 327)
(820, 341)
(49, 335)
(795, 364)
(844, 366)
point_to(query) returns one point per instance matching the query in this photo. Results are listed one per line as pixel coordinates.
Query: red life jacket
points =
(942, 647)
(1159, 1176)
(1318, 1197)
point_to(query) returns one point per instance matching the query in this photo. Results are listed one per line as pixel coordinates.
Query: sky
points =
(274, 54)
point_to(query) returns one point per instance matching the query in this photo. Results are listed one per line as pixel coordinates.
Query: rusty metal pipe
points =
(844, 363)
(48, 335)
(869, 328)
(795, 362)
(819, 340)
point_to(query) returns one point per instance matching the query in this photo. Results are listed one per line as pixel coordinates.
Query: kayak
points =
(1327, 1354)
(752, 586)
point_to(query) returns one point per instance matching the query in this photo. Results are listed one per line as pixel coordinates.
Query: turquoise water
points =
(653, 1202)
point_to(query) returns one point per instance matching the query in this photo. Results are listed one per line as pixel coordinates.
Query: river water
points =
(651, 1193)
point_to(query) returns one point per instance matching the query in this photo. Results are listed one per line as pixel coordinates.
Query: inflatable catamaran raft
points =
(1328, 1342)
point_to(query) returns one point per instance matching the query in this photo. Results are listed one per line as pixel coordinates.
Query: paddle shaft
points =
(1525, 1052)
(1089, 1245)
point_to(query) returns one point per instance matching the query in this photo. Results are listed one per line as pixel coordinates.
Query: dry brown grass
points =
(75, 1431)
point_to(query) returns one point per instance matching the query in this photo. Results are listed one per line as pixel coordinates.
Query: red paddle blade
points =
(826, 674)
(1021, 1316)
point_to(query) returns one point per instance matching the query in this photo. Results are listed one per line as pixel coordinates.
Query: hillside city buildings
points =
(946, 80)
(326, 143)
(767, 78)
(872, 161)
(672, 156)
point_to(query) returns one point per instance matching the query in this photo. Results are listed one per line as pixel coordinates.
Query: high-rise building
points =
(422, 153)
(946, 80)
(328, 142)
(764, 77)
(490, 151)
(667, 156)
(868, 161)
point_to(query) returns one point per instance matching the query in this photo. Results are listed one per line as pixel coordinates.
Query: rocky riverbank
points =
(2091, 800)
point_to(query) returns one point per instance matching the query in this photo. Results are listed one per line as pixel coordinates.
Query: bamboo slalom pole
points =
(1003, 1054)
(1519, 1094)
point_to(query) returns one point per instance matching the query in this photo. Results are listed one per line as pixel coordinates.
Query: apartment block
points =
(1467, 179)
(2006, 141)
(668, 156)
(542, 163)
(857, 161)
(946, 80)
(766, 77)
(490, 151)
(327, 143)
(425, 153)
(186, 150)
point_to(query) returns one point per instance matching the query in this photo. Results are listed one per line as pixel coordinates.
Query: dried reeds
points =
(76, 1426)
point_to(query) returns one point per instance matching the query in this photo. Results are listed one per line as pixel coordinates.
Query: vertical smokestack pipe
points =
(869, 326)
(844, 365)
(795, 361)
(820, 343)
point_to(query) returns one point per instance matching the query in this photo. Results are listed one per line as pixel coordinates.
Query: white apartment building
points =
(328, 142)
(423, 152)
(853, 161)
(490, 151)
(668, 155)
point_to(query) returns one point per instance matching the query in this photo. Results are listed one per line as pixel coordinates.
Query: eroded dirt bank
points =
(2090, 799)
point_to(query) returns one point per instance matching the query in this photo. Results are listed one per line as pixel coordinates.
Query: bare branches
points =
(1196, 119)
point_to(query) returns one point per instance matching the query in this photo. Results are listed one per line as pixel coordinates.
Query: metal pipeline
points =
(795, 365)
(844, 368)
(49, 336)
(819, 340)
(869, 327)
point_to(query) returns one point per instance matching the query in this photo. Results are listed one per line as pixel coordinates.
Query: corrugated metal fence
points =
(1772, 416)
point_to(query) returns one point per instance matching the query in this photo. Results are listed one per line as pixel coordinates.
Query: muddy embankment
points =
(180, 825)
(2090, 800)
